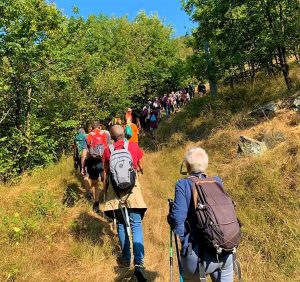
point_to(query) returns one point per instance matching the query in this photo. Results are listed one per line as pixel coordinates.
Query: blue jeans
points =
(220, 270)
(135, 219)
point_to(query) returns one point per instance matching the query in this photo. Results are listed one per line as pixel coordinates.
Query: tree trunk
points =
(284, 67)
(211, 75)
(213, 86)
(28, 113)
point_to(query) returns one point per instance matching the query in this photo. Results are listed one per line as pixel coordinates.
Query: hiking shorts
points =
(94, 168)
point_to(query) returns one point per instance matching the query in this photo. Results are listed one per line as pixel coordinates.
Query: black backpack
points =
(214, 219)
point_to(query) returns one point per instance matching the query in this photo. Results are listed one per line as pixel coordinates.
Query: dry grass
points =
(48, 232)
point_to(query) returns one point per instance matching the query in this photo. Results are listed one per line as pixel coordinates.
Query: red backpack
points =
(97, 143)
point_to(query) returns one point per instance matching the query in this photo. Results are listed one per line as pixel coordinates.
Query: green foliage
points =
(57, 73)
(245, 35)
(34, 210)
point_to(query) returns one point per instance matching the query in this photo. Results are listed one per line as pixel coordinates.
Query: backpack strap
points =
(126, 145)
(111, 148)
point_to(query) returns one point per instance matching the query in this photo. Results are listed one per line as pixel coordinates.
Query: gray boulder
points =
(249, 146)
(268, 110)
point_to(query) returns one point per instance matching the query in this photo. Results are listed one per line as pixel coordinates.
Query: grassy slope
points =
(48, 232)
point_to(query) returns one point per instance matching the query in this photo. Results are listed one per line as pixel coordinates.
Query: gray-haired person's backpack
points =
(214, 221)
(122, 173)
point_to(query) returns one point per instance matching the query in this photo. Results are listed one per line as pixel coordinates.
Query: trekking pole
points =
(171, 255)
(171, 244)
(171, 203)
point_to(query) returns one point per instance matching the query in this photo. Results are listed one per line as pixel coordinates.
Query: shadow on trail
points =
(128, 275)
(124, 274)
(92, 228)
(72, 194)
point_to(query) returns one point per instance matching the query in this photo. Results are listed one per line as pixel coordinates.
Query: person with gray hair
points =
(128, 208)
(182, 220)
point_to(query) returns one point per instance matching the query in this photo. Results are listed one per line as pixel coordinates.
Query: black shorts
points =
(94, 168)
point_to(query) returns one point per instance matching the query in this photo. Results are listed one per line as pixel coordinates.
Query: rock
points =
(296, 104)
(249, 146)
(268, 110)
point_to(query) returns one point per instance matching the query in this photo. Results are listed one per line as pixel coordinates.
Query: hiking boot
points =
(96, 208)
(139, 272)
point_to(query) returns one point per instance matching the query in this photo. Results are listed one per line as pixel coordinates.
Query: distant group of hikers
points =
(202, 214)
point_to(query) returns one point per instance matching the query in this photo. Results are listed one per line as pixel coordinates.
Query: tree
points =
(257, 34)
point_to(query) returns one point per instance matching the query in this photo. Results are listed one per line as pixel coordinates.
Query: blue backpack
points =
(128, 131)
(153, 117)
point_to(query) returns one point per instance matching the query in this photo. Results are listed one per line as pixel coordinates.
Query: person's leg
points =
(94, 179)
(220, 270)
(189, 262)
(124, 243)
(135, 218)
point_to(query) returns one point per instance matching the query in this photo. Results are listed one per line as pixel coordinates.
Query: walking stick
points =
(171, 203)
(171, 255)
(171, 243)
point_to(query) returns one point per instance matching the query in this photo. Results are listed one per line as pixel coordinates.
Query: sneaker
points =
(139, 272)
(96, 208)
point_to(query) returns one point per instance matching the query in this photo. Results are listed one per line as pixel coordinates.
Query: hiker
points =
(128, 114)
(165, 104)
(171, 103)
(154, 119)
(127, 206)
(133, 136)
(91, 160)
(191, 90)
(136, 119)
(183, 220)
(78, 147)
(183, 97)
(201, 89)
(144, 118)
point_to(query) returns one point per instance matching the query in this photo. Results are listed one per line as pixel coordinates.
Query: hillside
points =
(49, 233)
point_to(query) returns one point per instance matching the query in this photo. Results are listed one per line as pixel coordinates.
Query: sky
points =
(169, 11)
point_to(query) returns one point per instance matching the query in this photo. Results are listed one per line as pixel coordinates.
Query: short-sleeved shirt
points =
(133, 148)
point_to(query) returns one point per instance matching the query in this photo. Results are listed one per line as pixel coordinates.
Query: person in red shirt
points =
(133, 148)
(92, 165)
(133, 203)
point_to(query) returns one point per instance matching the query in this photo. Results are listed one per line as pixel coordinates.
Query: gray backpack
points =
(122, 173)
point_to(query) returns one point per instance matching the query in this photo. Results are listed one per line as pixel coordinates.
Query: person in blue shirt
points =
(219, 267)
